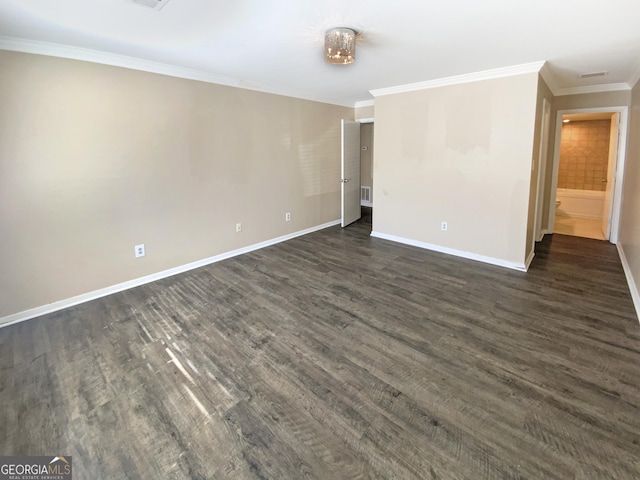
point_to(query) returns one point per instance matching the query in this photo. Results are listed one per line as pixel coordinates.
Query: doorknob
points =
(344, 180)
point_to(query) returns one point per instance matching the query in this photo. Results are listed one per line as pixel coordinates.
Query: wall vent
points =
(155, 4)
(365, 194)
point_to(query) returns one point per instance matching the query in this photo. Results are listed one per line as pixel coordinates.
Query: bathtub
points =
(580, 203)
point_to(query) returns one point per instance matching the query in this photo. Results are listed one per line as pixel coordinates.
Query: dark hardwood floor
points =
(336, 355)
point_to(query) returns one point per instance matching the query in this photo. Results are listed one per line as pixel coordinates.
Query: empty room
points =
(285, 240)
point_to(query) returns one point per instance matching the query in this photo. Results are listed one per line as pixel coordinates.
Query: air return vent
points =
(365, 194)
(593, 74)
(155, 4)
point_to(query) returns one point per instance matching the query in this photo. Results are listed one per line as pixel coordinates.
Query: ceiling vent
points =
(593, 74)
(155, 4)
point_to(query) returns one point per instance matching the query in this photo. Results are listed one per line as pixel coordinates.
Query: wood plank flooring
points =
(336, 355)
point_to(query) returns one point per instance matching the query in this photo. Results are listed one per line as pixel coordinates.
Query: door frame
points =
(616, 194)
(543, 159)
(344, 188)
(361, 121)
(612, 163)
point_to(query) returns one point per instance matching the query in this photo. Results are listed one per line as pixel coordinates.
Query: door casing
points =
(616, 194)
(350, 172)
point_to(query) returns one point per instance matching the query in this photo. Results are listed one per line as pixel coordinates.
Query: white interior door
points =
(611, 168)
(350, 172)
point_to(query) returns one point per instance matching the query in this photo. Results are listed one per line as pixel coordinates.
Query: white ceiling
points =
(276, 45)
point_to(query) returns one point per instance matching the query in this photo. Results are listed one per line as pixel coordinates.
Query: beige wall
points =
(629, 239)
(543, 92)
(592, 100)
(362, 113)
(460, 154)
(366, 156)
(95, 159)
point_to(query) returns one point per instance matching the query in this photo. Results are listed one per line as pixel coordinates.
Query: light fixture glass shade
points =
(340, 46)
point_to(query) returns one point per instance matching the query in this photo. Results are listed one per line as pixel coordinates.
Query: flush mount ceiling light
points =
(340, 46)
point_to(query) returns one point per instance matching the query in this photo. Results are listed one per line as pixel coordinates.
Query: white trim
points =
(458, 79)
(365, 103)
(553, 194)
(364, 203)
(633, 288)
(604, 87)
(620, 165)
(103, 292)
(450, 251)
(342, 177)
(529, 259)
(365, 120)
(105, 58)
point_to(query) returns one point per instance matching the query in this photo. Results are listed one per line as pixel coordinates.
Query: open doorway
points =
(350, 172)
(357, 172)
(366, 171)
(587, 167)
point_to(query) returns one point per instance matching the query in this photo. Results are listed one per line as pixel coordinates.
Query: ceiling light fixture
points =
(340, 46)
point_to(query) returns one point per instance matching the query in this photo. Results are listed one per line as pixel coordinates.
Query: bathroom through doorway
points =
(587, 173)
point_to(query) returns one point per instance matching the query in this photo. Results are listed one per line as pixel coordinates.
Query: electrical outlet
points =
(139, 250)
(444, 226)
(287, 217)
(238, 227)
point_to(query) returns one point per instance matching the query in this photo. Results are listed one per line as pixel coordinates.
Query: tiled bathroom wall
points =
(584, 154)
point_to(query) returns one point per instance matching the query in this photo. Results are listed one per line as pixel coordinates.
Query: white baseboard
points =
(633, 288)
(103, 292)
(366, 204)
(450, 251)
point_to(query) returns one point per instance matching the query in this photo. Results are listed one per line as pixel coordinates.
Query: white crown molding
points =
(604, 87)
(105, 58)
(451, 251)
(365, 103)
(103, 292)
(458, 79)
